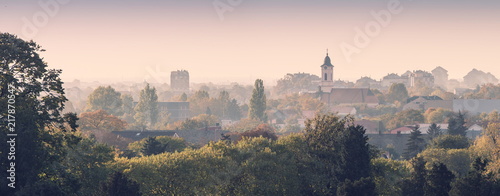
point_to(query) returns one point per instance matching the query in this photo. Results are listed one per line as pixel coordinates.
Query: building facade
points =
(179, 80)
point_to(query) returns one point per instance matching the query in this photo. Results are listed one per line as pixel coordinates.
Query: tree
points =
(100, 120)
(438, 115)
(257, 108)
(341, 147)
(434, 131)
(397, 92)
(105, 98)
(438, 180)
(127, 104)
(263, 130)
(415, 143)
(456, 125)
(37, 96)
(119, 185)
(414, 185)
(450, 142)
(183, 97)
(157, 145)
(147, 107)
(234, 110)
(403, 118)
(476, 182)
(152, 147)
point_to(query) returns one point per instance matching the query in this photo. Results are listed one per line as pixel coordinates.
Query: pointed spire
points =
(327, 52)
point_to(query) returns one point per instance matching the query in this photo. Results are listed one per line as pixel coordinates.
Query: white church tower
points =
(326, 75)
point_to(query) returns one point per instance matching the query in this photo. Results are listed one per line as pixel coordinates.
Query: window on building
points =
(326, 77)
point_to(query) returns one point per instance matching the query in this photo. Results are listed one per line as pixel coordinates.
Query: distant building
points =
(177, 110)
(349, 96)
(367, 82)
(332, 95)
(472, 132)
(393, 78)
(440, 77)
(372, 127)
(476, 77)
(423, 78)
(476, 106)
(426, 102)
(179, 80)
(343, 110)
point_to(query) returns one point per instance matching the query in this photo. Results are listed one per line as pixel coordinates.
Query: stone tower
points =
(179, 81)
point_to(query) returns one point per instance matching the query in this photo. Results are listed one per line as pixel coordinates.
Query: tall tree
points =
(415, 143)
(434, 131)
(32, 97)
(147, 107)
(341, 148)
(456, 124)
(127, 104)
(105, 98)
(257, 108)
(233, 110)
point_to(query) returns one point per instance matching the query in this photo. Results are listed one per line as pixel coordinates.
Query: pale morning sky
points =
(241, 40)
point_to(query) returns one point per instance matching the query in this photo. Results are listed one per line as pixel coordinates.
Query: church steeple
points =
(327, 62)
(326, 74)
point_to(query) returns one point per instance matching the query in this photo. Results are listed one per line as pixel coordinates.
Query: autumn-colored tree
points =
(264, 130)
(100, 120)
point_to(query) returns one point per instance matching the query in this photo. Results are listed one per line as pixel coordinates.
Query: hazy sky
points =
(145, 39)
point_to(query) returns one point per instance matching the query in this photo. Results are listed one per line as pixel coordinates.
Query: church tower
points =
(326, 74)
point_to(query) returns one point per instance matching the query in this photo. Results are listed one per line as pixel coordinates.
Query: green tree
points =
(434, 131)
(127, 104)
(37, 96)
(450, 142)
(147, 107)
(164, 144)
(476, 182)
(152, 147)
(234, 110)
(397, 92)
(257, 108)
(438, 180)
(414, 185)
(415, 143)
(361, 187)
(456, 125)
(341, 147)
(406, 117)
(105, 98)
(119, 185)
(184, 97)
